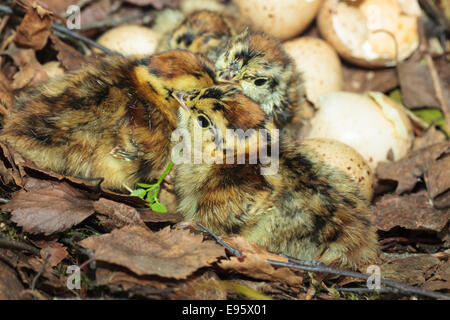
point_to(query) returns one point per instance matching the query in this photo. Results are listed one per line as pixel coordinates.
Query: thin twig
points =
(33, 284)
(7, 243)
(60, 28)
(234, 252)
(396, 285)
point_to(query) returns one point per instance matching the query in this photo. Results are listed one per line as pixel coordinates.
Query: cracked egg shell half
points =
(373, 124)
(130, 40)
(363, 33)
(345, 158)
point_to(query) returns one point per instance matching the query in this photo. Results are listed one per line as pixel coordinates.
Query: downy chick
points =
(305, 208)
(112, 119)
(266, 74)
(204, 32)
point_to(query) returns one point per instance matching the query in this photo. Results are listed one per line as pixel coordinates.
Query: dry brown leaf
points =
(158, 4)
(70, 58)
(34, 30)
(48, 275)
(48, 207)
(30, 70)
(116, 215)
(151, 216)
(411, 211)
(440, 278)
(58, 6)
(411, 270)
(416, 85)
(410, 169)
(55, 250)
(10, 166)
(430, 137)
(253, 263)
(167, 253)
(125, 280)
(97, 11)
(10, 286)
(360, 80)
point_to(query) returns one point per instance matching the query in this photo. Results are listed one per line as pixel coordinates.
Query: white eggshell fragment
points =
(346, 159)
(370, 34)
(319, 65)
(130, 40)
(282, 19)
(372, 124)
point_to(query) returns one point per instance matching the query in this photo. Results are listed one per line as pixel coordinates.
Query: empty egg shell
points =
(372, 124)
(370, 33)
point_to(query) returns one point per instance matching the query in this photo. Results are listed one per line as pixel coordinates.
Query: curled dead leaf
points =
(70, 58)
(116, 215)
(410, 211)
(30, 70)
(167, 253)
(253, 263)
(48, 206)
(34, 30)
(56, 251)
(430, 163)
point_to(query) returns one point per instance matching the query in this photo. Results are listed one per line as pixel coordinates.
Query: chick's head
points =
(261, 67)
(222, 122)
(174, 70)
(200, 32)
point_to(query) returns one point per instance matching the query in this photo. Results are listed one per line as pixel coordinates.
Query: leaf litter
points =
(138, 250)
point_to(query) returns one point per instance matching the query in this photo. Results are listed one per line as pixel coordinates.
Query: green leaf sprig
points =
(149, 192)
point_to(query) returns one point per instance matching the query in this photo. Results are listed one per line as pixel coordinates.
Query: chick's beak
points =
(226, 77)
(179, 96)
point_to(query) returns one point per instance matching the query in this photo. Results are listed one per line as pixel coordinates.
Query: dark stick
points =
(33, 283)
(399, 286)
(17, 245)
(60, 28)
(219, 241)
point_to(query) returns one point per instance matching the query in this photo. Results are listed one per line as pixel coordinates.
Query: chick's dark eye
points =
(260, 81)
(203, 121)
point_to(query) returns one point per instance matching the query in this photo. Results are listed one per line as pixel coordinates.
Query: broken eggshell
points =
(319, 65)
(345, 158)
(370, 32)
(130, 40)
(374, 125)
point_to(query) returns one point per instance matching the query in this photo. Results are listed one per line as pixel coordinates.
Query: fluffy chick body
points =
(205, 32)
(266, 74)
(306, 209)
(112, 119)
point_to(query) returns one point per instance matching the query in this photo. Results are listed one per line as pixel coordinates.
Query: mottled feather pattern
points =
(112, 119)
(308, 209)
